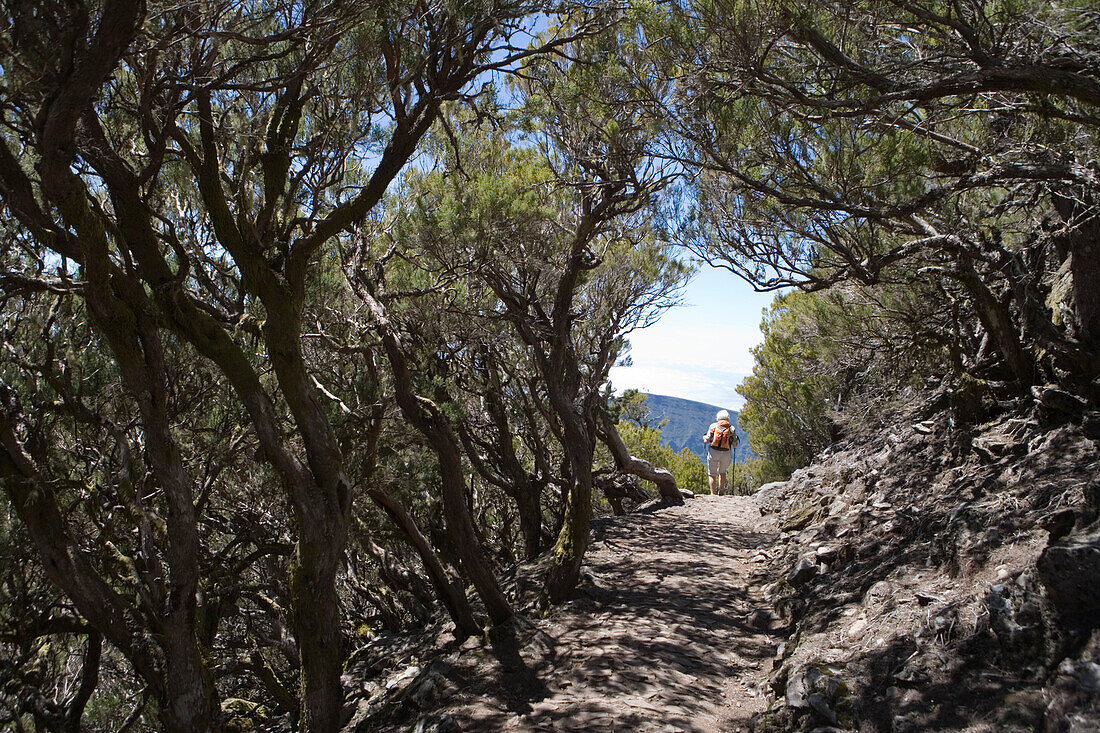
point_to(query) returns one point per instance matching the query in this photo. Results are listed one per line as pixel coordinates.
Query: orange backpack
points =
(721, 437)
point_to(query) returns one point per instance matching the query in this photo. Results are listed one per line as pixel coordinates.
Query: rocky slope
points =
(936, 577)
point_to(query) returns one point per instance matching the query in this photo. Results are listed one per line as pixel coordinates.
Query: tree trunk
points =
(572, 543)
(997, 321)
(89, 678)
(460, 525)
(436, 428)
(322, 504)
(530, 518)
(189, 699)
(617, 487)
(316, 616)
(65, 565)
(1080, 246)
(561, 582)
(452, 598)
(1085, 268)
(665, 481)
(120, 308)
(124, 317)
(524, 491)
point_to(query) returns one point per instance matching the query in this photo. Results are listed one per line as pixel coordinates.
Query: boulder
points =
(1059, 523)
(1070, 571)
(1058, 400)
(243, 715)
(1002, 616)
(813, 690)
(803, 571)
(770, 493)
(1086, 674)
(799, 685)
(992, 447)
(1091, 425)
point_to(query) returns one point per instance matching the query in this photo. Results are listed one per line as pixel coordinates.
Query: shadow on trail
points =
(655, 634)
(523, 686)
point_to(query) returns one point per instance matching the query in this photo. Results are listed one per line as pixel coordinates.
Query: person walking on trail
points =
(720, 439)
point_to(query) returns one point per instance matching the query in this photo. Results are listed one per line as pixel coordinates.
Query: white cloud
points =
(694, 361)
(700, 350)
(718, 348)
(701, 385)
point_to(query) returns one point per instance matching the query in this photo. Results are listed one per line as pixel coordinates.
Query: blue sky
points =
(699, 350)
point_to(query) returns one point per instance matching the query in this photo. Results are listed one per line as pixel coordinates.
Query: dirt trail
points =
(659, 639)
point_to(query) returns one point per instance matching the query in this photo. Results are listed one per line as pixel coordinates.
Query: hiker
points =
(720, 438)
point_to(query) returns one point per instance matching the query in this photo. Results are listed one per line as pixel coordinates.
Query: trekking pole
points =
(734, 491)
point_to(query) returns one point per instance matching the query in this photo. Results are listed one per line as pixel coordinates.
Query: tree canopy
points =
(308, 310)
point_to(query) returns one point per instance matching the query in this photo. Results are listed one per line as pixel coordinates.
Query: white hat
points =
(722, 415)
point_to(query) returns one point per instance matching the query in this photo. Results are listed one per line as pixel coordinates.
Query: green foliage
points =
(632, 407)
(790, 390)
(875, 143)
(754, 473)
(830, 358)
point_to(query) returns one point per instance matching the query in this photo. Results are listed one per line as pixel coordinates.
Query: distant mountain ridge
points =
(688, 421)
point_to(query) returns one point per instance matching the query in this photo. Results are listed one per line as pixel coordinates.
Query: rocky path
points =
(659, 639)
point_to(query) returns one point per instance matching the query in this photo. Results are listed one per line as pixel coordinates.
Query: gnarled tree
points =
(181, 168)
